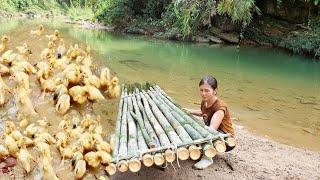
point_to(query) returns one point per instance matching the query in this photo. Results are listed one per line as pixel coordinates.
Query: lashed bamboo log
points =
(172, 135)
(149, 128)
(138, 117)
(147, 159)
(134, 163)
(182, 152)
(163, 138)
(116, 139)
(122, 153)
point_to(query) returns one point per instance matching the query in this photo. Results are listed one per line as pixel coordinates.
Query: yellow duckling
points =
(114, 89)
(86, 140)
(4, 70)
(45, 137)
(4, 43)
(39, 31)
(105, 77)
(11, 145)
(65, 152)
(61, 89)
(25, 158)
(105, 157)
(8, 57)
(55, 37)
(23, 66)
(24, 122)
(80, 169)
(61, 49)
(46, 168)
(93, 159)
(94, 93)
(61, 139)
(92, 80)
(3, 91)
(3, 151)
(47, 85)
(48, 52)
(31, 130)
(24, 103)
(22, 49)
(78, 94)
(10, 127)
(22, 79)
(63, 104)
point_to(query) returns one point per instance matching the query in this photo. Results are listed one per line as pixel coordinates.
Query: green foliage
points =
(118, 12)
(238, 10)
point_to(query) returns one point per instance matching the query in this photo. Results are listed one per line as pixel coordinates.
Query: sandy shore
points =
(255, 157)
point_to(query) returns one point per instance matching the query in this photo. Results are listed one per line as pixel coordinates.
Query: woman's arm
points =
(196, 112)
(216, 119)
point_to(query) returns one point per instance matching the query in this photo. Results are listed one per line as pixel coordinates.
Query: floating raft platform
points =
(152, 129)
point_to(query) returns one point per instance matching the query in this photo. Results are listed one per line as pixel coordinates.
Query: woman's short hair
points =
(210, 80)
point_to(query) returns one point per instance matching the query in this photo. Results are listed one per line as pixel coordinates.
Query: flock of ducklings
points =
(80, 141)
(67, 74)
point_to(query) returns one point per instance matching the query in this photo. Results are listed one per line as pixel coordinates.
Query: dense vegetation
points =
(184, 18)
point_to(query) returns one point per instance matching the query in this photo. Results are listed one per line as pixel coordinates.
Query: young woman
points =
(215, 113)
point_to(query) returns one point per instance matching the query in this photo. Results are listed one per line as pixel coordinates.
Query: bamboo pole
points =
(164, 140)
(172, 135)
(220, 146)
(123, 165)
(147, 121)
(159, 159)
(230, 141)
(144, 132)
(134, 163)
(182, 152)
(115, 147)
(147, 159)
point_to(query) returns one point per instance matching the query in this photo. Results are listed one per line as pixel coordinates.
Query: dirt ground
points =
(255, 157)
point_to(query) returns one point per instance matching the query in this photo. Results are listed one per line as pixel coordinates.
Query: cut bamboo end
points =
(158, 159)
(195, 152)
(147, 160)
(220, 146)
(231, 141)
(123, 166)
(111, 169)
(134, 165)
(170, 155)
(209, 151)
(183, 153)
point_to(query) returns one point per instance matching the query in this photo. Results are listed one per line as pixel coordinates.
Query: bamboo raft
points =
(152, 129)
